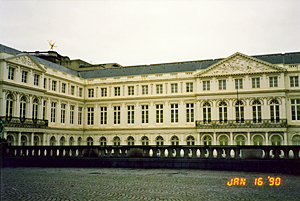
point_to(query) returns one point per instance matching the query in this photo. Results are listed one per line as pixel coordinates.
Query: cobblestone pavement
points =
(139, 184)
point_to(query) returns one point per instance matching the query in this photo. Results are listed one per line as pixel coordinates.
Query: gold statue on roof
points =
(51, 44)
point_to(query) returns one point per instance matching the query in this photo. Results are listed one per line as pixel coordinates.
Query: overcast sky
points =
(148, 32)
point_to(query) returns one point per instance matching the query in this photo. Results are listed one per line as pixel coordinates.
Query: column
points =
(32, 139)
(215, 139)
(197, 85)
(248, 137)
(285, 139)
(231, 138)
(200, 143)
(3, 104)
(19, 138)
(267, 138)
(16, 110)
(29, 109)
(283, 110)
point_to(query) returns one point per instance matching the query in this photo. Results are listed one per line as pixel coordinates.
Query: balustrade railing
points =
(23, 122)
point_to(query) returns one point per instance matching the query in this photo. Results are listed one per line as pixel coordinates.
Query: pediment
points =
(237, 64)
(27, 61)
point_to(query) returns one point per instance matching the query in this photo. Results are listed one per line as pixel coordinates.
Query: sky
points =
(149, 32)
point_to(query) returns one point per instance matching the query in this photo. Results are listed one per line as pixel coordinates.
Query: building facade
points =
(238, 100)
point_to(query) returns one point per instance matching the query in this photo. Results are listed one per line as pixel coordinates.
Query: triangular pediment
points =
(27, 61)
(237, 64)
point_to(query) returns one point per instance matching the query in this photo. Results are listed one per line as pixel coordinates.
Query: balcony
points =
(23, 122)
(248, 123)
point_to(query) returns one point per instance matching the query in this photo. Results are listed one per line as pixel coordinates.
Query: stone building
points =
(238, 100)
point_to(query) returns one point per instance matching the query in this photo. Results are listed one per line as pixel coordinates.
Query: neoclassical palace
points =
(48, 99)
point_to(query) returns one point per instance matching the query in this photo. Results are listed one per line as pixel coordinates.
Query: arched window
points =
(274, 111)
(23, 107)
(130, 140)
(190, 140)
(276, 140)
(71, 141)
(223, 140)
(9, 105)
(239, 112)
(296, 140)
(240, 140)
(258, 140)
(52, 141)
(89, 141)
(256, 111)
(175, 140)
(116, 141)
(36, 140)
(207, 140)
(35, 105)
(10, 140)
(159, 140)
(62, 141)
(79, 141)
(223, 112)
(23, 140)
(145, 140)
(103, 141)
(206, 113)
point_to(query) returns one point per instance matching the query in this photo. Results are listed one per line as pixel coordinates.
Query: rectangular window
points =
(117, 115)
(295, 108)
(273, 82)
(90, 93)
(44, 109)
(80, 92)
(189, 87)
(174, 113)
(238, 83)
(144, 89)
(53, 112)
(255, 82)
(145, 114)
(53, 85)
(45, 83)
(24, 76)
(206, 85)
(90, 116)
(73, 90)
(174, 88)
(294, 81)
(63, 88)
(159, 89)
(130, 90)
(103, 115)
(11, 73)
(130, 112)
(79, 115)
(36, 79)
(159, 114)
(117, 91)
(72, 108)
(190, 112)
(222, 84)
(63, 113)
(103, 92)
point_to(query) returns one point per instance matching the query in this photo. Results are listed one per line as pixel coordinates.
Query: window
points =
(159, 114)
(206, 113)
(53, 85)
(62, 141)
(72, 108)
(9, 105)
(190, 140)
(206, 85)
(89, 141)
(53, 112)
(223, 140)
(276, 140)
(63, 88)
(63, 113)
(145, 140)
(90, 116)
(295, 104)
(257, 140)
(116, 141)
(103, 115)
(274, 111)
(296, 140)
(174, 88)
(159, 140)
(79, 141)
(24, 76)
(294, 81)
(73, 90)
(80, 92)
(45, 83)
(223, 112)
(144, 89)
(145, 114)
(222, 84)
(79, 115)
(238, 83)
(130, 90)
(239, 112)
(103, 141)
(35, 105)
(103, 92)
(44, 109)
(207, 140)
(255, 82)
(11, 73)
(174, 140)
(90, 93)
(130, 140)
(117, 115)
(130, 111)
(71, 141)
(190, 112)
(117, 91)
(189, 87)
(256, 111)
(174, 113)
(273, 81)
(52, 141)
(36, 79)
(23, 107)
(159, 89)
(240, 140)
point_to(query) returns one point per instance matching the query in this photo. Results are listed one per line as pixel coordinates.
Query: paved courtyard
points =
(139, 184)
